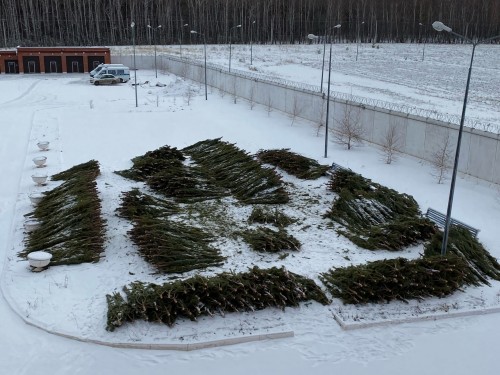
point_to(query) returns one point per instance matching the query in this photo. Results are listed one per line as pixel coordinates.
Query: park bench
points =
(440, 219)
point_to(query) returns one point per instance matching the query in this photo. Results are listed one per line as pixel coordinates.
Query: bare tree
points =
(222, 92)
(296, 109)
(89, 22)
(392, 142)
(441, 159)
(188, 95)
(349, 131)
(235, 89)
(269, 104)
(251, 97)
(184, 69)
(200, 75)
(321, 123)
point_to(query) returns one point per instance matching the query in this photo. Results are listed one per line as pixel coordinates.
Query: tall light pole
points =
(132, 25)
(439, 26)
(420, 25)
(315, 37)
(153, 29)
(231, 29)
(323, 65)
(328, 95)
(180, 41)
(358, 41)
(312, 36)
(205, 50)
(251, 42)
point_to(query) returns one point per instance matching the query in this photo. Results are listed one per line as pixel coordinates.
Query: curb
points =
(125, 345)
(351, 326)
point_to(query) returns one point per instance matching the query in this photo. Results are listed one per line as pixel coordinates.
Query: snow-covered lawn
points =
(392, 73)
(84, 122)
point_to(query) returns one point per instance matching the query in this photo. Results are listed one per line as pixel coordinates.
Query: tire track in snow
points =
(24, 94)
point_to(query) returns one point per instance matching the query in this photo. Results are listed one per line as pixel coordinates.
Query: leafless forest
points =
(107, 22)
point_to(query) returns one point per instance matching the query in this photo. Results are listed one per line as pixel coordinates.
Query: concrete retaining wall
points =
(419, 137)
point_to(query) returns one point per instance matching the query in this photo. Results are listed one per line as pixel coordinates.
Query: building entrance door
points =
(53, 66)
(11, 67)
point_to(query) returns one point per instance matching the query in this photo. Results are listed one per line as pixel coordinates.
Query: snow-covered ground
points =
(431, 78)
(84, 122)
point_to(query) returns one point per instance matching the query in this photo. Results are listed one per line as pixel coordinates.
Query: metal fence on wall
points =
(391, 106)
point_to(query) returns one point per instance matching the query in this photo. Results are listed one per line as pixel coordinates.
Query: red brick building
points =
(9, 62)
(53, 59)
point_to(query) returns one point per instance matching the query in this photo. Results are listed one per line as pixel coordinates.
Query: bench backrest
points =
(440, 219)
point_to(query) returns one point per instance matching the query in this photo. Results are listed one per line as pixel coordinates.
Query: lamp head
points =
(194, 32)
(312, 36)
(159, 26)
(439, 26)
(238, 26)
(132, 24)
(337, 26)
(186, 24)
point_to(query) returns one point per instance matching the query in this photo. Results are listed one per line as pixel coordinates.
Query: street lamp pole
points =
(180, 41)
(132, 25)
(312, 36)
(153, 29)
(234, 27)
(439, 26)
(251, 42)
(423, 50)
(323, 65)
(205, 50)
(328, 94)
(357, 43)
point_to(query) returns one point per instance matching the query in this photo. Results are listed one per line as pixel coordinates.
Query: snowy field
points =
(84, 122)
(430, 78)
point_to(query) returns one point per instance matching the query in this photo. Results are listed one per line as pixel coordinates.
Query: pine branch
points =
(227, 292)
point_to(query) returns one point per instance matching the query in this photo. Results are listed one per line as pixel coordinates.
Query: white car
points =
(105, 79)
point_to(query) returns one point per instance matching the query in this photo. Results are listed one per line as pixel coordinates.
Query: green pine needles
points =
(270, 216)
(235, 170)
(294, 164)
(398, 279)
(254, 290)
(136, 205)
(374, 216)
(467, 263)
(170, 246)
(72, 228)
(270, 241)
(152, 162)
(218, 169)
(165, 171)
(462, 244)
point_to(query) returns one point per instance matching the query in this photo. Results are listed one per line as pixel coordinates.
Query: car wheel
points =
(121, 80)
(96, 83)
(113, 82)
